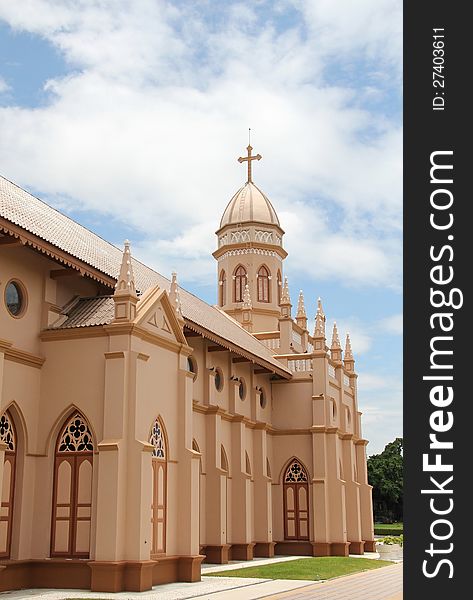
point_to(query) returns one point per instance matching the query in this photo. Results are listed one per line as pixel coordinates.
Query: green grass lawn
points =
(388, 528)
(312, 569)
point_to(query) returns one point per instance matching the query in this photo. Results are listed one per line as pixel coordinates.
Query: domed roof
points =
(249, 204)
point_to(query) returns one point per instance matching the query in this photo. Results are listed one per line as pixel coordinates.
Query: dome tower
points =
(250, 252)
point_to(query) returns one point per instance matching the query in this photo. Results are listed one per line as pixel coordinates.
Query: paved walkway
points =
(380, 584)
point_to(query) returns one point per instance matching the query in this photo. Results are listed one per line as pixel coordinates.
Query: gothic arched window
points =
(72, 491)
(159, 499)
(240, 280)
(263, 284)
(222, 291)
(279, 284)
(296, 502)
(8, 437)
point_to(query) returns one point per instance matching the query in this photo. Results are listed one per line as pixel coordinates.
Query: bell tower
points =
(250, 253)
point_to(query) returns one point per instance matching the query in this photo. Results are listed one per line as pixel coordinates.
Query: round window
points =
(219, 380)
(242, 389)
(15, 298)
(262, 398)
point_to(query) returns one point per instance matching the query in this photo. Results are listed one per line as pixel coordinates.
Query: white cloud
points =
(4, 87)
(380, 401)
(392, 324)
(147, 126)
(361, 340)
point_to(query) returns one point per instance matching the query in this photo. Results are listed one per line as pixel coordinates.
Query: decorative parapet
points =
(297, 365)
(272, 343)
(242, 251)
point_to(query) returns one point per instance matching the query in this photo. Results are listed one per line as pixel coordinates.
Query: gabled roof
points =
(46, 223)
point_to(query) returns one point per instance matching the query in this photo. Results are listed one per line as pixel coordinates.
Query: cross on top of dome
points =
(248, 159)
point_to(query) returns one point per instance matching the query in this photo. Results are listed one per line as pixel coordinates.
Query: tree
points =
(385, 473)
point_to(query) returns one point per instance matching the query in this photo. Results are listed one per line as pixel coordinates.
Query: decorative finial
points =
(125, 297)
(348, 359)
(247, 298)
(249, 158)
(126, 279)
(319, 330)
(174, 295)
(300, 306)
(285, 297)
(335, 339)
(301, 316)
(348, 350)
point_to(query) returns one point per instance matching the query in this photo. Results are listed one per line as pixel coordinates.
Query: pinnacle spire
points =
(285, 297)
(319, 330)
(336, 348)
(348, 359)
(348, 350)
(300, 306)
(335, 339)
(301, 316)
(174, 295)
(126, 279)
(247, 298)
(125, 297)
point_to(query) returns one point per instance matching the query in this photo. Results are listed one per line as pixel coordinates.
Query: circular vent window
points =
(15, 298)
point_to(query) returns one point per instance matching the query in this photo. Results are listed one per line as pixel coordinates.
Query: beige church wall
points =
(33, 271)
(221, 398)
(263, 414)
(157, 396)
(334, 412)
(21, 386)
(22, 405)
(249, 433)
(292, 404)
(284, 448)
(72, 376)
(242, 407)
(198, 389)
(157, 393)
(30, 269)
(21, 396)
(198, 425)
(68, 287)
(226, 439)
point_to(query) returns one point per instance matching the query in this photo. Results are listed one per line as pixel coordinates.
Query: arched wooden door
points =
(159, 498)
(8, 437)
(72, 492)
(296, 502)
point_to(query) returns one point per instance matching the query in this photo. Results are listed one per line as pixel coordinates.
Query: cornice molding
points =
(20, 356)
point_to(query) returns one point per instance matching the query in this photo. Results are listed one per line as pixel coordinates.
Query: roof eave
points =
(279, 370)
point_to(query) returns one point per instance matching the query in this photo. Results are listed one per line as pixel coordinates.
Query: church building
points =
(143, 431)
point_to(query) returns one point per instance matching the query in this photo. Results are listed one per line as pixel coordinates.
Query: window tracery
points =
(7, 432)
(156, 439)
(295, 473)
(76, 436)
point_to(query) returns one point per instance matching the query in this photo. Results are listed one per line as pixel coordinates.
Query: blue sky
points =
(129, 115)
